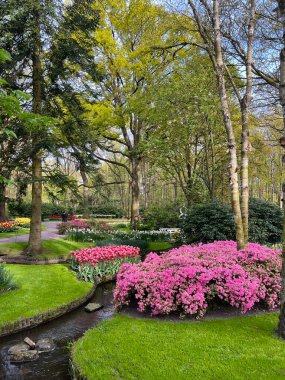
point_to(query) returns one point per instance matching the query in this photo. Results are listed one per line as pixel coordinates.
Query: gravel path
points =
(48, 234)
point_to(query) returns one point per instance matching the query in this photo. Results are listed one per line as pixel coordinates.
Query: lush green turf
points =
(159, 246)
(61, 247)
(51, 248)
(41, 288)
(21, 231)
(227, 349)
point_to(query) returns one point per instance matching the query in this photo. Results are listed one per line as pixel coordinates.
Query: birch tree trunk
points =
(281, 324)
(232, 149)
(245, 105)
(35, 238)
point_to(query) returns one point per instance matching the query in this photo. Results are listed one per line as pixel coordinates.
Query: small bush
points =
(62, 228)
(208, 222)
(265, 222)
(6, 280)
(103, 226)
(118, 226)
(159, 217)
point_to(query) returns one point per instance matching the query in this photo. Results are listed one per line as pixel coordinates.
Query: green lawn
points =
(21, 231)
(51, 248)
(242, 348)
(159, 246)
(41, 288)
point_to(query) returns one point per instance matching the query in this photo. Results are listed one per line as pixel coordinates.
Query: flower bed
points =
(74, 225)
(59, 217)
(190, 278)
(91, 235)
(8, 227)
(23, 222)
(91, 262)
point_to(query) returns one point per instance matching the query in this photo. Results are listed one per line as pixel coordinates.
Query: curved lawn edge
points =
(21, 324)
(147, 349)
(27, 323)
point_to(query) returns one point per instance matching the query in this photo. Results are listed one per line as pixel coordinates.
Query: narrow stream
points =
(64, 330)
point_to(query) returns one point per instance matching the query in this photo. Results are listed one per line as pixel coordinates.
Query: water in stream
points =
(64, 330)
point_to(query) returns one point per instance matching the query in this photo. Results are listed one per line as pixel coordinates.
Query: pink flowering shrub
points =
(103, 261)
(188, 279)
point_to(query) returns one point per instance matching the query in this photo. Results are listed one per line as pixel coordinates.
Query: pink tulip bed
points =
(91, 263)
(191, 279)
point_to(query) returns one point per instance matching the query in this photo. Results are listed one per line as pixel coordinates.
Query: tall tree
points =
(71, 72)
(26, 28)
(209, 28)
(127, 31)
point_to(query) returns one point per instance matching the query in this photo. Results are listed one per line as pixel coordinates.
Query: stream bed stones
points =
(91, 307)
(28, 350)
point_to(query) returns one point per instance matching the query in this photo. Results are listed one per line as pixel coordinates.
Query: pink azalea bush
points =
(188, 279)
(103, 261)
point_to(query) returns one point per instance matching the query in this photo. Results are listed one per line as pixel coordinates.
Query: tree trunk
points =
(85, 194)
(281, 324)
(245, 145)
(35, 239)
(232, 150)
(135, 205)
(3, 216)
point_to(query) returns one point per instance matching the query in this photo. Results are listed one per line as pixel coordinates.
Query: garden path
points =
(49, 233)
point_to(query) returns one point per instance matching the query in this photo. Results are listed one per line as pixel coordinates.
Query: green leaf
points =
(5, 55)
(9, 133)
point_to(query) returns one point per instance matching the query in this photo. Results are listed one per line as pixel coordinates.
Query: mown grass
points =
(242, 348)
(159, 246)
(40, 288)
(51, 248)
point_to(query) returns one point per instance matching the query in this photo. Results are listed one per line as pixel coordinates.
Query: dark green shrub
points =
(108, 209)
(214, 221)
(159, 217)
(208, 222)
(24, 209)
(265, 222)
(6, 280)
(118, 226)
